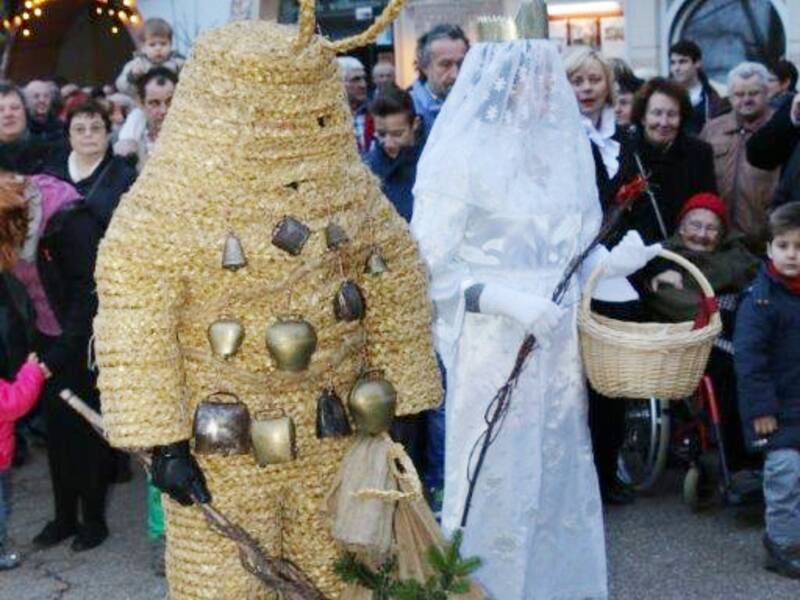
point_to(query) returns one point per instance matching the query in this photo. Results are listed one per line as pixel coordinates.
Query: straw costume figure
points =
(255, 271)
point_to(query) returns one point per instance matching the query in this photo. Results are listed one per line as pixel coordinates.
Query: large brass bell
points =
(291, 341)
(233, 257)
(331, 417)
(273, 440)
(225, 337)
(221, 425)
(290, 235)
(348, 304)
(372, 403)
(375, 264)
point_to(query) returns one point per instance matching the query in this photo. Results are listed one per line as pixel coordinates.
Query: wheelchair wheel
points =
(699, 489)
(643, 457)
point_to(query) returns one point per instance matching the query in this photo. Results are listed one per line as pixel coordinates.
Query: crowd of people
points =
(718, 167)
(67, 156)
(724, 174)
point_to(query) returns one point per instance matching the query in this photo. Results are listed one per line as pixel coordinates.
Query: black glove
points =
(175, 472)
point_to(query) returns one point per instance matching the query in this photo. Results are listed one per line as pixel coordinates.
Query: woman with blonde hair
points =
(592, 80)
(48, 241)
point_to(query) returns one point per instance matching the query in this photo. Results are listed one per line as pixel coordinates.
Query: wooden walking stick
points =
(276, 574)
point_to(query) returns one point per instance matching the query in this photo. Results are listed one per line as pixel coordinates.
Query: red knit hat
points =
(708, 201)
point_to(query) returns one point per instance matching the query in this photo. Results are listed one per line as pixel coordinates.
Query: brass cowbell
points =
(291, 341)
(225, 336)
(233, 257)
(372, 403)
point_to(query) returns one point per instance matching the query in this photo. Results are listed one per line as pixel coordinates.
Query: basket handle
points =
(708, 291)
(308, 23)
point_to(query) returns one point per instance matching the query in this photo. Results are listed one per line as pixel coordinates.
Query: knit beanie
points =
(708, 201)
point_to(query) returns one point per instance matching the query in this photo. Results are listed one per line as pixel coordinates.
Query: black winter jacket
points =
(103, 189)
(65, 260)
(675, 175)
(767, 359)
(771, 146)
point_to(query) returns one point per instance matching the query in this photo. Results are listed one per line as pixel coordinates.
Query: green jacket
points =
(728, 269)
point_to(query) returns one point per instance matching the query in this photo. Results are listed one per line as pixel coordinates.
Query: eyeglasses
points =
(697, 227)
(82, 130)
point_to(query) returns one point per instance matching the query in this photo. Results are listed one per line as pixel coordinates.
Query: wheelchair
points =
(687, 432)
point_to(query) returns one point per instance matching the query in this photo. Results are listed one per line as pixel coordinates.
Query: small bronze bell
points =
(335, 236)
(290, 235)
(221, 427)
(273, 440)
(348, 304)
(291, 341)
(225, 337)
(233, 257)
(372, 403)
(331, 417)
(375, 263)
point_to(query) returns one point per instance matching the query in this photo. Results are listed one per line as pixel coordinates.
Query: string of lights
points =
(114, 14)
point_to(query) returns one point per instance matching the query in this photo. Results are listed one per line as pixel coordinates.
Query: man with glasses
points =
(746, 190)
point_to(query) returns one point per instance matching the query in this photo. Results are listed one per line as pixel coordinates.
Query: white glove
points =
(629, 256)
(539, 316)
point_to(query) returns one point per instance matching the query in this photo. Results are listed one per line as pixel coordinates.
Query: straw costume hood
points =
(257, 160)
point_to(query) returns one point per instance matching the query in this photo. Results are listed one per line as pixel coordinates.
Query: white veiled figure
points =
(506, 194)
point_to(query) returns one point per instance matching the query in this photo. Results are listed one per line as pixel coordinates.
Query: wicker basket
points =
(645, 360)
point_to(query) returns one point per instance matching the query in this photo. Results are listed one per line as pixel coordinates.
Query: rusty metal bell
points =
(348, 304)
(290, 235)
(331, 416)
(225, 336)
(233, 257)
(335, 236)
(372, 403)
(291, 341)
(375, 264)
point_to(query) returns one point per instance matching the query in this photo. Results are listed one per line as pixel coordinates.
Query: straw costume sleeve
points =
(141, 366)
(398, 310)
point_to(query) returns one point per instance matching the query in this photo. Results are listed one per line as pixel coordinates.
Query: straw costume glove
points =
(175, 472)
(630, 255)
(539, 316)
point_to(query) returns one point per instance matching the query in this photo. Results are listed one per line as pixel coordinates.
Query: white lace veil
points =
(507, 146)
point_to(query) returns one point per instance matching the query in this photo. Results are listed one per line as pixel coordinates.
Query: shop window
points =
(600, 25)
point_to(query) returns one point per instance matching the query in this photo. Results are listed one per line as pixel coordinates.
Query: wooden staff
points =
(276, 574)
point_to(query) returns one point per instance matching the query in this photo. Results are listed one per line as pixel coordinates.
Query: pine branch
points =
(450, 578)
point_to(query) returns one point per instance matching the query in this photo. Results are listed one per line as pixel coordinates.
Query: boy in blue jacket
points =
(767, 359)
(395, 155)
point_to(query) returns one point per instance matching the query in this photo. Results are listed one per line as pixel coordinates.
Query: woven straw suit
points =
(258, 130)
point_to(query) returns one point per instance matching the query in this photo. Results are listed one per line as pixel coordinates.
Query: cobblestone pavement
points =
(658, 549)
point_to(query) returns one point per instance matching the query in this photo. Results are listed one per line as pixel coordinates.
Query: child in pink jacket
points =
(16, 399)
